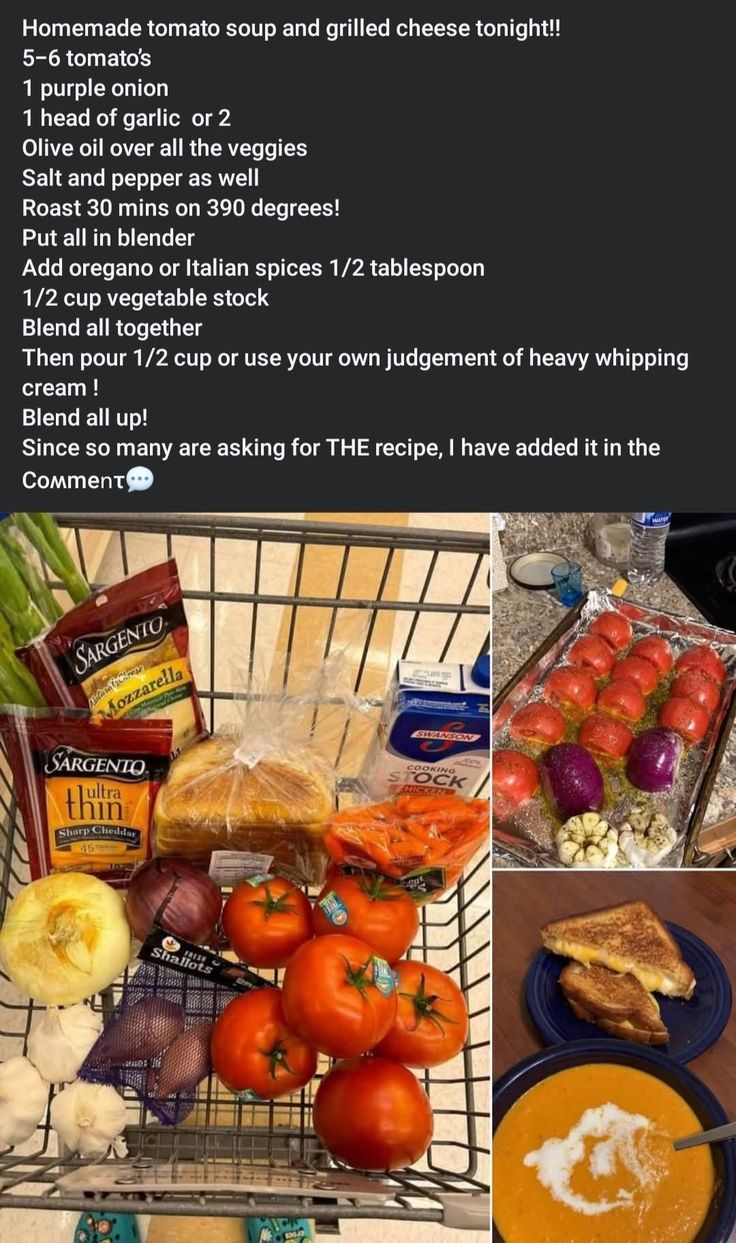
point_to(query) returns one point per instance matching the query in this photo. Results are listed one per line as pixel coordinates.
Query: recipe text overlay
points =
(200, 254)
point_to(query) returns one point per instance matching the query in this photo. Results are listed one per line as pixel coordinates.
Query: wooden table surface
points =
(702, 901)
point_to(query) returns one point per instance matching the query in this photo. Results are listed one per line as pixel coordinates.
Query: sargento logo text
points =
(65, 762)
(95, 650)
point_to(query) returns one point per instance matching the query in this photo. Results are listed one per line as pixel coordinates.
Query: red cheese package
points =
(86, 788)
(124, 652)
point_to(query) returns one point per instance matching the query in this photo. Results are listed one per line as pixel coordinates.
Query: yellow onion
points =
(65, 937)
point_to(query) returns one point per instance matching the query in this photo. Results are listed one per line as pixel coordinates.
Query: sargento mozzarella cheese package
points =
(124, 653)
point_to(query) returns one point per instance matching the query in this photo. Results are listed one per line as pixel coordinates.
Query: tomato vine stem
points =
(424, 1007)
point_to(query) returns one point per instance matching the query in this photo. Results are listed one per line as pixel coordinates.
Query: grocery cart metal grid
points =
(224, 1137)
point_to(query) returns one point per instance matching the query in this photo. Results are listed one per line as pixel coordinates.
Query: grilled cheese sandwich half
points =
(627, 939)
(618, 1004)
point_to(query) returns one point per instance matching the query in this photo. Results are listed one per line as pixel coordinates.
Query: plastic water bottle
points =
(648, 538)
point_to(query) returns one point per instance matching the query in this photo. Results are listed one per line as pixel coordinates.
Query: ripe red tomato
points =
(606, 736)
(696, 685)
(592, 652)
(253, 1048)
(368, 907)
(705, 659)
(574, 689)
(538, 722)
(657, 651)
(431, 1023)
(636, 669)
(622, 698)
(689, 719)
(339, 995)
(614, 628)
(372, 1114)
(515, 780)
(266, 922)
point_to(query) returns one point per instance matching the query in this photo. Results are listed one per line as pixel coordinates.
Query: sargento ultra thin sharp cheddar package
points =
(124, 652)
(86, 788)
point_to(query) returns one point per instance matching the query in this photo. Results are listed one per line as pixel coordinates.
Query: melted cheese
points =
(653, 981)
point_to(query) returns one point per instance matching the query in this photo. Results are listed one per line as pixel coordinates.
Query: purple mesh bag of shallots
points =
(157, 1040)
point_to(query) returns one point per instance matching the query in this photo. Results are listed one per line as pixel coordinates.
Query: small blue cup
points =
(568, 579)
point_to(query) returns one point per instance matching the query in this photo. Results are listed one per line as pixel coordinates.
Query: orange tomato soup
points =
(586, 1156)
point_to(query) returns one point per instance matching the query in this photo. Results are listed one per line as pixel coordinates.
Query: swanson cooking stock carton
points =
(434, 732)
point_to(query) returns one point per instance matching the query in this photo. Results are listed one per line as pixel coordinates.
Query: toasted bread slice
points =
(629, 938)
(617, 1003)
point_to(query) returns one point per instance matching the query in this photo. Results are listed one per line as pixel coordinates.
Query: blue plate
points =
(693, 1025)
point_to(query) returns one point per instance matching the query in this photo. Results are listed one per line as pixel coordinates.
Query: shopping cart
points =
(427, 599)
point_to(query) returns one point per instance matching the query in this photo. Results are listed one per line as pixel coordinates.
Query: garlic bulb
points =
(88, 1118)
(58, 1045)
(23, 1098)
(588, 841)
(647, 838)
(65, 937)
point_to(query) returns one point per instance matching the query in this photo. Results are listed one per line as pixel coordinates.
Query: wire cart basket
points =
(262, 588)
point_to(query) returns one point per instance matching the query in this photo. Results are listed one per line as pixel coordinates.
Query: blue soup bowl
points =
(721, 1220)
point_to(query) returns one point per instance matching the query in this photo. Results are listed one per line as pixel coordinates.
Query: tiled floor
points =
(269, 630)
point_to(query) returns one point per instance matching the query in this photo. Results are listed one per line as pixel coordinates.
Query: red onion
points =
(653, 760)
(173, 893)
(571, 779)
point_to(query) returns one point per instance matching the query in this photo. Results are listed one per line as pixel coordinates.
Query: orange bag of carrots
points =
(421, 841)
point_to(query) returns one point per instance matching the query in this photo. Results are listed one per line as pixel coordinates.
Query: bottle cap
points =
(482, 670)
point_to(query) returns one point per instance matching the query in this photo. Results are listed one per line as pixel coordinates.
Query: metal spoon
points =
(707, 1137)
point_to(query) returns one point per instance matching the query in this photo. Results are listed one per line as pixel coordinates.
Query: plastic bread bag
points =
(86, 788)
(124, 653)
(264, 787)
(421, 841)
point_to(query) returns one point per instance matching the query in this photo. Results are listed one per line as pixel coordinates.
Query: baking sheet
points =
(528, 839)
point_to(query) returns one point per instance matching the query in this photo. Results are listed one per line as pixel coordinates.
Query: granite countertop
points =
(522, 618)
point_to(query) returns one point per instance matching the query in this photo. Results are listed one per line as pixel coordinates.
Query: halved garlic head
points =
(587, 841)
(646, 838)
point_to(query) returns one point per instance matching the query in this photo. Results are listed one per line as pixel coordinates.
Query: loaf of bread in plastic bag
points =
(219, 798)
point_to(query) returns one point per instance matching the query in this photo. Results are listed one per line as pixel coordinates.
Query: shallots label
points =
(161, 947)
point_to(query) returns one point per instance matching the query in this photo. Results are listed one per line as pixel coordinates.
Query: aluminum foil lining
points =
(528, 840)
